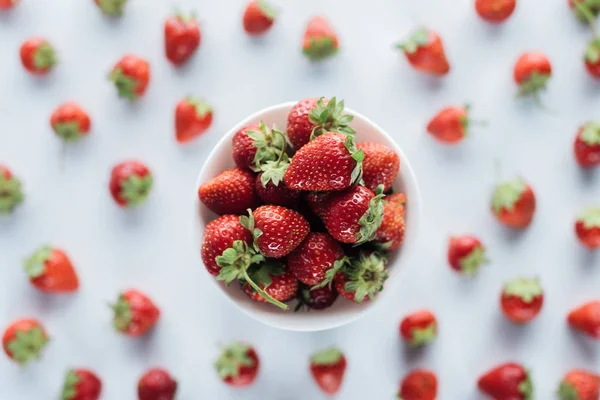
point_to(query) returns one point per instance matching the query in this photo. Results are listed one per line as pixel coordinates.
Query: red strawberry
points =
(81, 384)
(513, 203)
(587, 228)
(277, 230)
(130, 183)
(316, 255)
(585, 10)
(495, 11)
(466, 254)
(230, 192)
(274, 280)
(425, 52)
(320, 40)
(192, 118)
(592, 58)
(330, 162)
(51, 271)
(390, 233)
(586, 318)
(24, 340)
(156, 384)
(451, 124)
(238, 364)
(134, 313)
(316, 298)
(328, 368)
(419, 328)
(131, 76)
(522, 300)
(182, 38)
(260, 149)
(38, 56)
(317, 202)
(419, 384)
(70, 122)
(380, 165)
(11, 194)
(258, 17)
(310, 118)
(353, 216)
(399, 198)
(113, 8)
(532, 72)
(219, 235)
(579, 385)
(509, 381)
(587, 145)
(7, 4)
(361, 278)
(279, 195)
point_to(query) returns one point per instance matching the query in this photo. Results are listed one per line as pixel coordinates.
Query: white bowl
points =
(343, 311)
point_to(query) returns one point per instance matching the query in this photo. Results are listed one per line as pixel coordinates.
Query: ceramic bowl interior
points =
(343, 311)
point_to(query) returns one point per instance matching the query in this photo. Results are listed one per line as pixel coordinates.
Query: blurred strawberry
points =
(522, 300)
(81, 384)
(238, 364)
(419, 328)
(320, 40)
(24, 340)
(495, 11)
(507, 382)
(192, 118)
(532, 72)
(8, 4)
(579, 385)
(592, 58)
(328, 368)
(113, 8)
(70, 122)
(424, 50)
(586, 319)
(11, 194)
(134, 313)
(316, 298)
(131, 76)
(182, 38)
(50, 270)
(258, 17)
(514, 203)
(587, 228)
(130, 183)
(587, 145)
(466, 254)
(451, 124)
(38, 56)
(419, 384)
(156, 384)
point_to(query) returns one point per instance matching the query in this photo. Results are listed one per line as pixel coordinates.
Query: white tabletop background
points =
(153, 248)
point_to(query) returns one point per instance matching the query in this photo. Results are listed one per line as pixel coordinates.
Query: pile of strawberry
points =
(304, 214)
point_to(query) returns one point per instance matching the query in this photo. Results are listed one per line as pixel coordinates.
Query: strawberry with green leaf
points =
(24, 340)
(131, 76)
(579, 384)
(451, 124)
(587, 228)
(238, 364)
(532, 72)
(50, 270)
(193, 117)
(312, 117)
(522, 299)
(274, 279)
(221, 234)
(134, 314)
(358, 278)
(11, 193)
(316, 255)
(81, 384)
(466, 254)
(328, 368)
(38, 56)
(130, 183)
(380, 165)
(587, 145)
(113, 8)
(592, 57)
(424, 50)
(320, 40)
(507, 381)
(70, 122)
(182, 38)
(315, 298)
(259, 17)
(586, 10)
(156, 384)
(514, 203)
(259, 148)
(419, 328)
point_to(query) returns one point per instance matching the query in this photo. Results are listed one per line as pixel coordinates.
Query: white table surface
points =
(152, 248)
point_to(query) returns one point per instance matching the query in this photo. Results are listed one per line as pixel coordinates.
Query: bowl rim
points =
(407, 252)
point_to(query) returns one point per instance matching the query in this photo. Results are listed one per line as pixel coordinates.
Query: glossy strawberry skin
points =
(282, 230)
(587, 156)
(231, 192)
(448, 126)
(431, 57)
(299, 127)
(314, 257)
(495, 11)
(219, 235)
(144, 314)
(519, 311)
(324, 164)
(502, 382)
(156, 384)
(58, 276)
(70, 113)
(419, 384)
(246, 374)
(392, 228)
(182, 39)
(380, 166)
(279, 195)
(88, 386)
(419, 320)
(37, 56)
(283, 288)
(586, 319)
(121, 173)
(255, 21)
(343, 211)
(317, 299)
(243, 147)
(529, 63)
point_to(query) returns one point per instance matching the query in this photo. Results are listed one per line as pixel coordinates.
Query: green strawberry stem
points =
(263, 293)
(586, 14)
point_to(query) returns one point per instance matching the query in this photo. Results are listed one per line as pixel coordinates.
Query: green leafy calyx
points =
(330, 356)
(44, 57)
(592, 53)
(122, 314)
(11, 194)
(590, 133)
(35, 266)
(69, 390)
(358, 156)
(526, 387)
(270, 157)
(338, 265)
(371, 219)
(27, 345)
(417, 39)
(423, 336)
(366, 275)
(590, 218)
(68, 131)
(202, 108)
(507, 194)
(135, 189)
(232, 358)
(125, 85)
(567, 391)
(268, 10)
(471, 263)
(534, 84)
(526, 289)
(330, 117)
(112, 7)
(320, 48)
